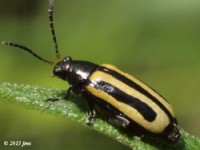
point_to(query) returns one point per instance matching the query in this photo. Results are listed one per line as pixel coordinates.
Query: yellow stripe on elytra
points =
(147, 88)
(156, 126)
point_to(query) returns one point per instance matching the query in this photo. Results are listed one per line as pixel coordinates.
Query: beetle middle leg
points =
(91, 116)
(91, 112)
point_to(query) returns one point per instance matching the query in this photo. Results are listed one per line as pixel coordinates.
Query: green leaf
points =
(34, 97)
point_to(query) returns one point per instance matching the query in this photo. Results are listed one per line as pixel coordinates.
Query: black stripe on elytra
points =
(137, 87)
(142, 108)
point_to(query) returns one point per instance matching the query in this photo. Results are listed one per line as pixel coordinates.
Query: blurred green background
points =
(157, 41)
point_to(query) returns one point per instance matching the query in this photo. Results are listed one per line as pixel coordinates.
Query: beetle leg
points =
(119, 120)
(90, 118)
(53, 100)
(69, 91)
(91, 112)
(60, 98)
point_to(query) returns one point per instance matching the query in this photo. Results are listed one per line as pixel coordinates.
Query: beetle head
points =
(61, 69)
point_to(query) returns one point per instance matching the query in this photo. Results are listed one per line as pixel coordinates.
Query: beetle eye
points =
(58, 69)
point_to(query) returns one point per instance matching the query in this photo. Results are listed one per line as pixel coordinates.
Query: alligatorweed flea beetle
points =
(123, 100)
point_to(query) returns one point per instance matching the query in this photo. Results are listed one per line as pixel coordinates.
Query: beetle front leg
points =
(60, 98)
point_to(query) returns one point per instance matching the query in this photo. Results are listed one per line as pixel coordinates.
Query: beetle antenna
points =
(27, 50)
(51, 23)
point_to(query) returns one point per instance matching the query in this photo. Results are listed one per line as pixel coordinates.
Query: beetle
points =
(122, 99)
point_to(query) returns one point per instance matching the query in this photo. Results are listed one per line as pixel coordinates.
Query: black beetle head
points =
(61, 69)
